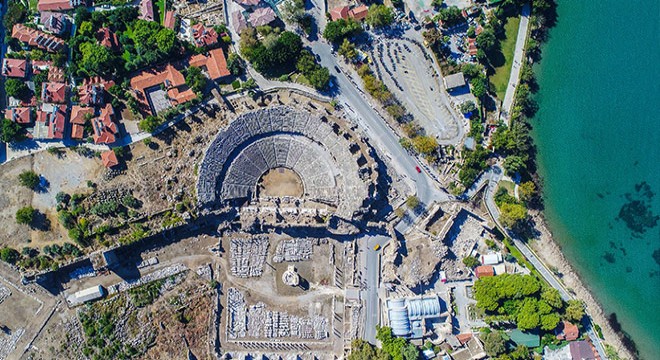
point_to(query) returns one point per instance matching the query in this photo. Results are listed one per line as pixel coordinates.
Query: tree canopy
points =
(29, 179)
(336, 31)
(512, 215)
(25, 215)
(379, 15)
(10, 131)
(17, 89)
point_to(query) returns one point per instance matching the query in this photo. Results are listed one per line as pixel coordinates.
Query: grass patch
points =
(33, 4)
(509, 186)
(500, 78)
(160, 7)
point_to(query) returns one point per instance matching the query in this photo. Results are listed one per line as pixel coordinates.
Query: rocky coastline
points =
(549, 251)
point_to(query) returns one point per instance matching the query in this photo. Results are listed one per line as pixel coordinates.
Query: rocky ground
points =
(550, 253)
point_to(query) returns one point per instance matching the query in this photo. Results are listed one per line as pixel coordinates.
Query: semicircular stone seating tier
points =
(281, 136)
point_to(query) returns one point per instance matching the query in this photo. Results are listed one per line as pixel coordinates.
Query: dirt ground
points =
(68, 172)
(281, 182)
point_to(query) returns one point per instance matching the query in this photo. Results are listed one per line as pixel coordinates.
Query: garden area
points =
(502, 60)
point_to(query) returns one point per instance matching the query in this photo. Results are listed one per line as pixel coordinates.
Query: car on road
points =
(377, 247)
(337, 69)
(419, 171)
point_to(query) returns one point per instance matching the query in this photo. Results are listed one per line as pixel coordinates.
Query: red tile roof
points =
(77, 131)
(359, 13)
(484, 271)
(21, 115)
(104, 128)
(55, 120)
(107, 38)
(464, 338)
(50, 5)
(262, 16)
(146, 10)
(56, 74)
(37, 38)
(78, 114)
(92, 90)
(53, 92)
(54, 22)
(567, 331)
(170, 20)
(204, 36)
(109, 159)
(215, 63)
(14, 67)
(340, 12)
(170, 77)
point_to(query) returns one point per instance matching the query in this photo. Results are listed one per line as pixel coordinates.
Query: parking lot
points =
(407, 70)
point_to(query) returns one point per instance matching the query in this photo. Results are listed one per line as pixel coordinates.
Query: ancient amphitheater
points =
(330, 160)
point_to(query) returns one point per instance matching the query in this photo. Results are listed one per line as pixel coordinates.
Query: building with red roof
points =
(107, 38)
(248, 3)
(51, 122)
(78, 119)
(20, 115)
(148, 82)
(484, 271)
(16, 68)
(104, 128)
(109, 159)
(239, 21)
(214, 64)
(472, 47)
(147, 10)
(37, 38)
(92, 90)
(567, 331)
(53, 92)
(170, 20)
(53, 22)
(56, 74)
(262, 16)
(204, 36)
(359, 13)
(54, 5)
(340, 12)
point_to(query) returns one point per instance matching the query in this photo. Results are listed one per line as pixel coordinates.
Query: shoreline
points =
(550, 252)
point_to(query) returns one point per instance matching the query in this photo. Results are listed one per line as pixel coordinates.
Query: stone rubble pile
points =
(248, 255)
(299, 249)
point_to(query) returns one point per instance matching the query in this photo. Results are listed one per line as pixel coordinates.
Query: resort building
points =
(37, 38)
(54, 92)
(79, 117)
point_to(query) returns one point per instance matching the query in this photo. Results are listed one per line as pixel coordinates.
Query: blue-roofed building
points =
(415, 317)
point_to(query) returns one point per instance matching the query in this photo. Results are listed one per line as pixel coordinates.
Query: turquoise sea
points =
(598, 139)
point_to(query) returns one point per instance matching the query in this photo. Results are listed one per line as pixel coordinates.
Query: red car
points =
(419, 171)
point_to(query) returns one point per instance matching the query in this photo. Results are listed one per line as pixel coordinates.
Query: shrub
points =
(29, 179)
(9, 255)
(25, 215)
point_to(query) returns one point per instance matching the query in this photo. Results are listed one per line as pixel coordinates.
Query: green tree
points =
(425, 145)
(235, 64)
(549, 321)
(552, 297)
(195, 79)
(337, 30)
(410, 352)
(527, 191)
(468, 107)
(521, 352)
(412, 202)
(165, 40)
(379, 16)
(66, 219)
(319, 78)
(574, 311)
(513, 164)
(29, 179)
(478, 87)
(11, 132)
(96, 60)
(494, 343)
(470, 261)
(487, 40)
(512, 215)
(9, 255)
(25, 215)
(347, 50)
(150, 123)
(528, 317)
(17, 89)
(86, 29)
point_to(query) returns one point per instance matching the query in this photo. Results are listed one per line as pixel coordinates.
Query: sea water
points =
(598, 138)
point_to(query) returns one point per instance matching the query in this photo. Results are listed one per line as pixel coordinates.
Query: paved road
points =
(371, 273)
(517, 62)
